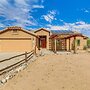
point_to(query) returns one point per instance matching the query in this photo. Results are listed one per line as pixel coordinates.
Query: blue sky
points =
(49, 14)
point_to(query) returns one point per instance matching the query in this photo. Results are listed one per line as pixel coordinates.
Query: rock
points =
(9, 77)
(3, 81)
(20, 68)
(14, 73)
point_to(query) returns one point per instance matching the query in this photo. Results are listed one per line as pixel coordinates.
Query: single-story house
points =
(16, 39)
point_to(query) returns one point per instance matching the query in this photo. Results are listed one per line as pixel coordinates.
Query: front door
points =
(43, 41)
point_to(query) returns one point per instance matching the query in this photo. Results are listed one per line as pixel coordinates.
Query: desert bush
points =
(88, 43)
(85, 48)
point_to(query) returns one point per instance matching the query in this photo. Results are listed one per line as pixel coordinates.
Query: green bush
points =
(88, 43)
(85, 48)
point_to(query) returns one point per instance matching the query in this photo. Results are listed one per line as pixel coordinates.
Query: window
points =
(78, 42)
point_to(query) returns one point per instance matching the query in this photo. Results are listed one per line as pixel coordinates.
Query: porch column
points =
(69, 44)
(36, 46)
(74, 44)
(65, 44)
(55, 45)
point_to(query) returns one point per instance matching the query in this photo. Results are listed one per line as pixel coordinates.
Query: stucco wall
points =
(67, 46)
(83, 42)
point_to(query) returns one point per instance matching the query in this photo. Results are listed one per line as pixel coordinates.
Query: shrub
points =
(88, 43)
(85, 48)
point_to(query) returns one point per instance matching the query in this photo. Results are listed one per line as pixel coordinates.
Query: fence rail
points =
(27, 57)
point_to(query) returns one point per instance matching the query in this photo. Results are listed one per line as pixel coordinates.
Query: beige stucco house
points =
(16, 39)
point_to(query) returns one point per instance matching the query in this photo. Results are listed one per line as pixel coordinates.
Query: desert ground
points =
(54, 72)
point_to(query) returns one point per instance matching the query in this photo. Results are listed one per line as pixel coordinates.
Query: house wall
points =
(0, 45)
(67, 46)
(83, 42)
(72, 43)
(42, 33)
(52, 44)
(20, 42)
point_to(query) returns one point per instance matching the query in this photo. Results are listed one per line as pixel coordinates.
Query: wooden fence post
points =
(35, 50)
(25, 56)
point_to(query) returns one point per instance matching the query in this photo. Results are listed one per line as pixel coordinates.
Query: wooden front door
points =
(43, 41)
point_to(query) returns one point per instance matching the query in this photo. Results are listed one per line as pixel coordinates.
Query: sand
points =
(54, 72)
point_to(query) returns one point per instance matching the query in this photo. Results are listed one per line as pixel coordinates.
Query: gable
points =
(42, 32)
(42, 29)
(16, 33)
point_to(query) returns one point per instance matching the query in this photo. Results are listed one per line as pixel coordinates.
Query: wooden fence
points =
(27, 57)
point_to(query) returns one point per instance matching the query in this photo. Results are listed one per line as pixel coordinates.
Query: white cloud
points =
(80, 26)
(19, 11)
(79, 23)
(61, 20)
(21, 2)
(38, 6)
(85, 10)
(3, 2)
(50, 16)
(53, 27)
(2, 25)
(42, 1)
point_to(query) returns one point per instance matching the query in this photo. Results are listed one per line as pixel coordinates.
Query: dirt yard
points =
(54, 72)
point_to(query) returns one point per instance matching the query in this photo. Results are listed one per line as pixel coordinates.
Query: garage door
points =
(16, 45)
